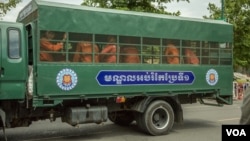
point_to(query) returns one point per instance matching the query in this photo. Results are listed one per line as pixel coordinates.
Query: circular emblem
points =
(66, 79)
(212, 77)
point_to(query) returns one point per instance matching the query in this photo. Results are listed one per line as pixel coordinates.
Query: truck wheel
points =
(123, 118)
(158, 119)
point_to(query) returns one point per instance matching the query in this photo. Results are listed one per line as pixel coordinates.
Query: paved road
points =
(201, 123)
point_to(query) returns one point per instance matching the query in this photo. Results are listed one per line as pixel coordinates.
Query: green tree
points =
(5, 7)
(152, 6)
(236, 12)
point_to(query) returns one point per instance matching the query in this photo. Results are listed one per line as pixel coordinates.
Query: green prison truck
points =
(91, 65)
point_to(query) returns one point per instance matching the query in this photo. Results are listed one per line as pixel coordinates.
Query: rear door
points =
(13, 61)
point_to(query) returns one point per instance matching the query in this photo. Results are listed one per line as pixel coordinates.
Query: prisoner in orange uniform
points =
(129, 55)
(108, 53)
(85, 52)
(47, 45)
(190, 57)
(172, 54)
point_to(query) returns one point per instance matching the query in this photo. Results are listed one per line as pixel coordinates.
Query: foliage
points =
(5, 7)
(236, 12)
(152, 6)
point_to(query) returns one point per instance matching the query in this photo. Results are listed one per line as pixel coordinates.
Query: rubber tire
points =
(161, 111)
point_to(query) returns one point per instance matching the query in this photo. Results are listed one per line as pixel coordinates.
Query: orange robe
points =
(190, 57)
(108, 54)
(130, 55)
(84, 52)
(46, 45)
(172, 54)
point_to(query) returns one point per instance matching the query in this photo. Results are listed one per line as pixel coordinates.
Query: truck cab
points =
(13, 61)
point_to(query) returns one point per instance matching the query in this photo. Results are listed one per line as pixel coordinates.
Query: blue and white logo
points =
(66, 79)
(212, 77)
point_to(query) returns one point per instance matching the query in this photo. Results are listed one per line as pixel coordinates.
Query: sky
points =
(194, 9)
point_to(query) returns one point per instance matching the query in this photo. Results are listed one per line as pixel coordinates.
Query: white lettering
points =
(242, 132)
(229, 132)
(236, 132)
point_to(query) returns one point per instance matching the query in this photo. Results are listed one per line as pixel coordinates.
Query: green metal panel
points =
(88, 86)
(13, 79)
(125, 23)
(62, 17)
